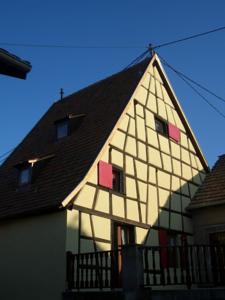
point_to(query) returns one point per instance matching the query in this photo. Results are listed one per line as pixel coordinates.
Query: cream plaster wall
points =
(160, 175)
(33, 257)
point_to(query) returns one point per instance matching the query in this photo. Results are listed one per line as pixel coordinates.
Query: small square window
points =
(25, 175)
(161, 126)
(62, 129)
(118, 185)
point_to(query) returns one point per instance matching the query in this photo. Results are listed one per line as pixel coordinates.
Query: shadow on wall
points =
(170, 222)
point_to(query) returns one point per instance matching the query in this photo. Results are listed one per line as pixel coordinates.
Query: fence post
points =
(133, 273)
(70, 270)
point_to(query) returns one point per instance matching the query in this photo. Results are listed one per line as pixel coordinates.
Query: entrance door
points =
(123, 235)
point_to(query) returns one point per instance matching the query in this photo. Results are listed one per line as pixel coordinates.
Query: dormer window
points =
(25, 175)
(62, 128)
(66, 126)
(28, 170)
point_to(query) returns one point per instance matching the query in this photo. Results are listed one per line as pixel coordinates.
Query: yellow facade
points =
(160, 175)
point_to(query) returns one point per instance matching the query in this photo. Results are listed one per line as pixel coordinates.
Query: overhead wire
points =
(184, 77)
(191, 80)
(68, 46)
(138, 59)
(4, 156)
(187, 81)
(6, 153)
(31, 45)
(188, 38)
(203, 97)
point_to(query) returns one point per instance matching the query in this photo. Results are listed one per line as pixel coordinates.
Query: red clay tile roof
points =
(102, 103)
(212, 191)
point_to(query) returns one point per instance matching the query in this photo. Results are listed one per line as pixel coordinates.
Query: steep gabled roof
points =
(212, 191)
(70, 160)
(155, 62)
(102, 103)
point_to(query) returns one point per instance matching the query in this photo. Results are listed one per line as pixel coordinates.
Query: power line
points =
(112, 46)
(191, 80)
(197, 92)
(27, 45)
(188, 38)
(203, 97)
(136, 60)
(4, 154)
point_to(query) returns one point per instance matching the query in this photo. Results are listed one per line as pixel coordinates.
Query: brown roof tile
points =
(212, 191)
(102, 103)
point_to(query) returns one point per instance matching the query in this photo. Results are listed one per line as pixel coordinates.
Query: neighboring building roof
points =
(12, 65)
(102, 103)
(212, 191)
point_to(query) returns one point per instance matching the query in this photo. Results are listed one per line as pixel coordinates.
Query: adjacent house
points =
(12, 65)
(113, 164)
(208, 207)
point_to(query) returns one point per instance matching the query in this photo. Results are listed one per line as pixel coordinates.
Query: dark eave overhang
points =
(12, 65)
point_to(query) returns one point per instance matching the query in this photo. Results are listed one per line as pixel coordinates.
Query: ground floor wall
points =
(33, 258)
(208, 221)
(90, 231)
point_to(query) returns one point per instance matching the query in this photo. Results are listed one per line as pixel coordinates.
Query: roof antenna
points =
(151, 49)
(61, 93)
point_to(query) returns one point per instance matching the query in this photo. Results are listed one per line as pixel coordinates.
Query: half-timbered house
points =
(113, 164)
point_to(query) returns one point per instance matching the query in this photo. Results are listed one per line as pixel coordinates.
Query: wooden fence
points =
(175, 265)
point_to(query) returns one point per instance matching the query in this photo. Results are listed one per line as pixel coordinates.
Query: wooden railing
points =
(92, 270)
(179, 265)
(187, 265)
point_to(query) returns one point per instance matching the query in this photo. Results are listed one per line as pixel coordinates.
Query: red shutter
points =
(174, 132)
(163, 242)
(105, 177)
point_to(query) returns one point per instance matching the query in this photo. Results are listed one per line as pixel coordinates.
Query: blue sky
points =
(110, 23)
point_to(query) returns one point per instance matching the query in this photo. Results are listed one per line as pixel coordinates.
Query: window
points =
(118, 180)
(25, 175)
(161, 126)
(123, 235)
(167, 129)
(28, 170)
(68, 125)
(110, 177)
(62, 129)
